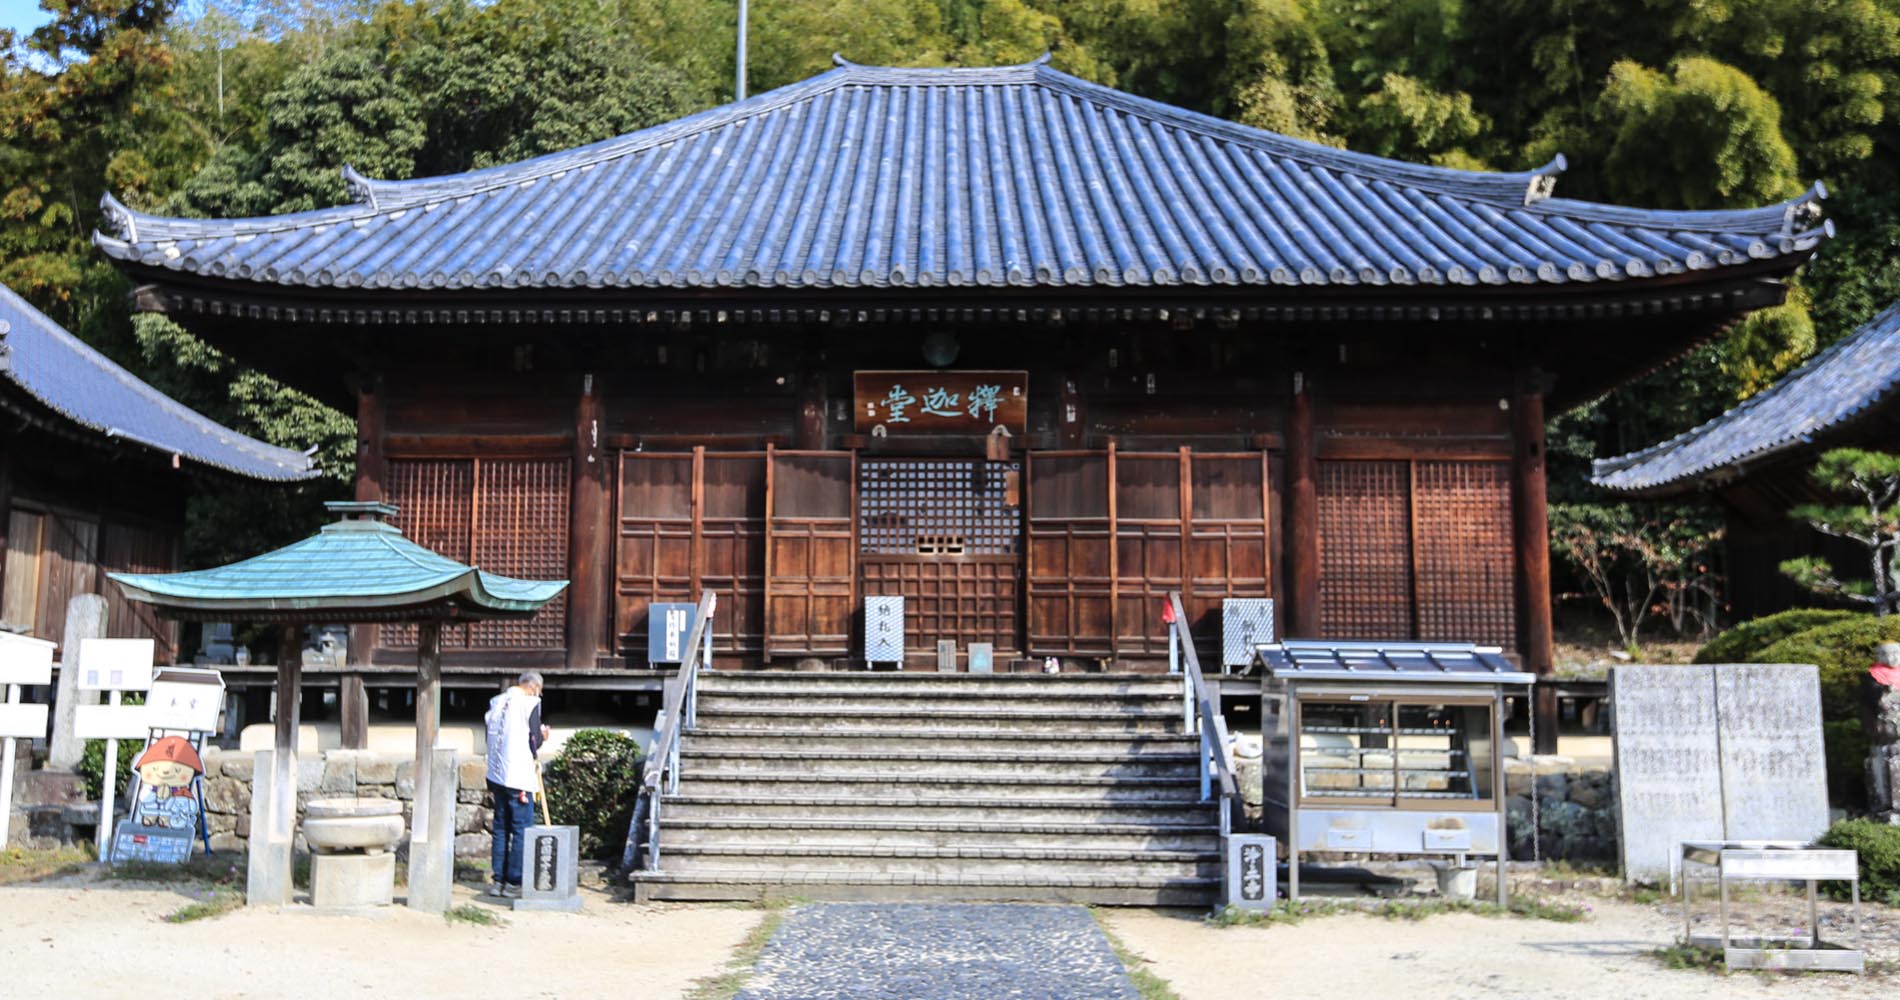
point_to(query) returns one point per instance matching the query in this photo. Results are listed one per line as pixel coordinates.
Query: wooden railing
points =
(1200, 710)
(680, 712)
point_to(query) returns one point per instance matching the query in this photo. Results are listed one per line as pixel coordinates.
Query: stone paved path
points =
(938, 951)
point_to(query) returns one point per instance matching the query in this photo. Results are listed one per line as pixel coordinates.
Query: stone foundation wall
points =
(342, 773)
(1576, 809)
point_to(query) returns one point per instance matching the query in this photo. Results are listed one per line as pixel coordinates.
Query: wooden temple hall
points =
(1027, 351)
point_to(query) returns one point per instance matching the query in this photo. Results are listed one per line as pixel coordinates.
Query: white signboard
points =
(111, 722)
(23, 721)
(185, 698)
(115, 664)
(25, 660)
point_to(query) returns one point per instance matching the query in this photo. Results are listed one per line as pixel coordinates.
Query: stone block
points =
(346, 881)
(375, 769)
(472, 845)
(468, 819)
(471, 796)
(339, 775)
(309, 776)
(236, 765)
(228, 842)
(473, 772)
(218, 823)
(227, 795)
(1518, 781)
(1553, 786)
(243, 825)
(383, 791)
(1591, 789)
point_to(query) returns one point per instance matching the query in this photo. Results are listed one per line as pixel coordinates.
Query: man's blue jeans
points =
(512, 818)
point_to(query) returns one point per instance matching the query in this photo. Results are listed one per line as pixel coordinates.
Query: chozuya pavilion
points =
(1026, 351)
(357, 569)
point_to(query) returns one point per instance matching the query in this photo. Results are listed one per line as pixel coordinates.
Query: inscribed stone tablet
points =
(1774, 770)
(1668, 766)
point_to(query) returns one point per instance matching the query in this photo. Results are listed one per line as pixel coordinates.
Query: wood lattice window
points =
(506, 516)
(1365, 553)
(1417, 550)
(1466, 561)
(936, 506)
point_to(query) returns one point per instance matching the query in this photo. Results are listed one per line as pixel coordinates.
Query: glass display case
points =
(1385, 748)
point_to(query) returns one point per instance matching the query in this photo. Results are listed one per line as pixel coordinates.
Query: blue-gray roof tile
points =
(1829, 392)
(870, 177)
(67, 376)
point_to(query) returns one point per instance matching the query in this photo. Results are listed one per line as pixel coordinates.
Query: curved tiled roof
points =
(1831, 390)
(66, 375)
(353, 565)
(870, 177)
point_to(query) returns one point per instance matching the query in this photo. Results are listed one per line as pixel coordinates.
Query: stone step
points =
(940, 807)
(822, 718)
(940, 686)
(1035, 862)
(1099, 888)
(884, 785)
(994, 742)
(966, 832)
(1039, 706)
(737, 761)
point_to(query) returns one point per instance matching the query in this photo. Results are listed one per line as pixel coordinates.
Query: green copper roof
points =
(352, 570)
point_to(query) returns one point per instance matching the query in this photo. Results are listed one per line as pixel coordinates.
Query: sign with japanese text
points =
(941, 402)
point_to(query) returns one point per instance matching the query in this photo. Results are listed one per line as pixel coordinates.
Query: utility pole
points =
(740, 89)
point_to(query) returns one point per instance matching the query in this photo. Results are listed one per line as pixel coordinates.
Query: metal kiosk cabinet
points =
(1385, 747)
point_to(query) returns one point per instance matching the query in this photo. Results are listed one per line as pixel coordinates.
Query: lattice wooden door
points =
(946, 535)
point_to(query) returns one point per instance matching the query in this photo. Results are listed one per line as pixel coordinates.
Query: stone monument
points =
(1668, 764)
(85, 619)
(352, 843)
(552, 870)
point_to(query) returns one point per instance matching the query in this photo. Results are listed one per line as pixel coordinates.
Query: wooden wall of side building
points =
(75, 513)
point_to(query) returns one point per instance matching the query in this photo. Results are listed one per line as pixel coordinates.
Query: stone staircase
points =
(1075, 788)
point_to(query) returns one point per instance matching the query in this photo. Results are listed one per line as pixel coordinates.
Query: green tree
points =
(1871, 517)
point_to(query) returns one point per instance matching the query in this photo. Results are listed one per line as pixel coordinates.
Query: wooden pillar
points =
(6, 510)
(289, 717)
(428, 713)
(372, 471)
(810, 434)
(353, 711)
(1533, 550)
(590, 536)
(1302, 514)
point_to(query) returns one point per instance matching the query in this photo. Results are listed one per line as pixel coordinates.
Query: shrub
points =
(593, 784)
(1741, 643)
(1879, 847)
(92, 766)
(1843, 651)
(1846, 746)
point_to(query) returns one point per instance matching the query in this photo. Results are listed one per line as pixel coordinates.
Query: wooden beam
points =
(590, 536)
(353, 711)
(1533, 549)
(372, 477)
(1302, 513)
(289, 718)
(428, 713)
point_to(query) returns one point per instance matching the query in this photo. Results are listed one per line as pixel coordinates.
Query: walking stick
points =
(541, 791)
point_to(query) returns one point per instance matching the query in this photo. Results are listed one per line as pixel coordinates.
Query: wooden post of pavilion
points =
(431, 840)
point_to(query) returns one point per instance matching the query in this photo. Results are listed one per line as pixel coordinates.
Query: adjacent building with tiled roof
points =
(95, 467)
(1754, 458)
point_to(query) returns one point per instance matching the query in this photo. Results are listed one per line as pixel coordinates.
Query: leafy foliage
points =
(593, 783)
(1741, 643)
(1843, 651)
(1878, 845)
(1871, 480)
(1641, 561)
(92, 765)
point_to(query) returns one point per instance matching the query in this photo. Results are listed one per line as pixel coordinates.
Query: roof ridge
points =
(217, 433)
(1881, 324)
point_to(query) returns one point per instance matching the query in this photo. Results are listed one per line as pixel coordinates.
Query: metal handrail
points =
(680, 713)
(1200, 706)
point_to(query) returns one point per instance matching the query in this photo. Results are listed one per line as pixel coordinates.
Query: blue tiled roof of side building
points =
(63, 373)
(871, 177)
(1829, 392)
